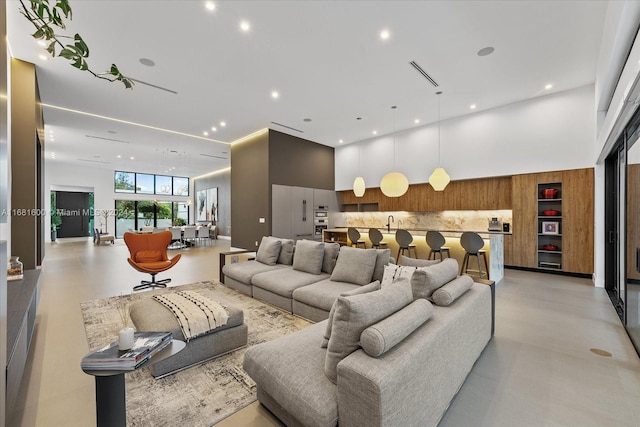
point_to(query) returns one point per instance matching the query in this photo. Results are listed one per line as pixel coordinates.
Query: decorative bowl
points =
(549, 247)
(549, 193)
(551, 212)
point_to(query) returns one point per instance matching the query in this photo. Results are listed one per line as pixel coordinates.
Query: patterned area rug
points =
(201, 395)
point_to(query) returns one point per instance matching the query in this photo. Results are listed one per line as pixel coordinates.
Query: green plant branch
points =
(43, 17)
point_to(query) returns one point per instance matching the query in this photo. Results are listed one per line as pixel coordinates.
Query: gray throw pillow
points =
(383, 336)
(413, 262)
(268, 251)
(330, 257)
(356, 313)
(382, 259)
(448, 293)
(425, 280)
(373, 286)
(286, 252)
(354, 266)
(308, 256)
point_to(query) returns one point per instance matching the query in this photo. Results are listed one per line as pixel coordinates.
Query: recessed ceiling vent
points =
(94, 161)
(415, 65)
(107, 139)
(153, 86)
(288, 127)
(210, 155)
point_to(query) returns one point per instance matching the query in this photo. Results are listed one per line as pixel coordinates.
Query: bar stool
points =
(354, 236)
(472, 244)
(435, 240)
(404, 239)
(376, 238)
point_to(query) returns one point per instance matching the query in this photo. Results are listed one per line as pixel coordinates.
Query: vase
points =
(15, 268)
(125, 338)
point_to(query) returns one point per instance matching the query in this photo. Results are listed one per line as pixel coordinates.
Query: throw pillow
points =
(413, 262)
(151, 255)
(331, 251)
(269, 250)
(354, 266)
(373, 286)
(286, 252)
(356, 313)
(382, 259)
(395, 273)
(383, 336)
(448, 293)
(425, 280)
(309, 256)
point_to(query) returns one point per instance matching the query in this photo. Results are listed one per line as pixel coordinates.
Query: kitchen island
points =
(493, 245)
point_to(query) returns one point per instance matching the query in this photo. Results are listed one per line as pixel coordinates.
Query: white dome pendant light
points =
(394, 184)
(439, 179)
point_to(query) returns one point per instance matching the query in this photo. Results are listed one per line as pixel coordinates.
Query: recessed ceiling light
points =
(275, 94)
(549, 86)
(385, 34)
(375, 132)
(42, 43)
(52, 139)
(210, 5)
(472, 106)
(148, 62)
(485, 51)
(131, 158)
(416, 121)
(223, 124)
(119, 156)
(43, 57)
(245, 26)
(341, 141)
(213, 128)
(205, 133)
(307, 120)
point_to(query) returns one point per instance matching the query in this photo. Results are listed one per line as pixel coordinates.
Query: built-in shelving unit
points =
(549, 205)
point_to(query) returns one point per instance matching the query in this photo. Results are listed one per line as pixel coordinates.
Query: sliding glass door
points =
(135, 214)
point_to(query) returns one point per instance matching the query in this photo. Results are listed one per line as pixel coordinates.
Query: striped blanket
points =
(195, 313)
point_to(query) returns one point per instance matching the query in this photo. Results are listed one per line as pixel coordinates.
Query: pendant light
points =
(439, 179)
(394, 184)
(359, 185)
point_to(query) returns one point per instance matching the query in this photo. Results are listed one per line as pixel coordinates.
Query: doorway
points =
(74, 210)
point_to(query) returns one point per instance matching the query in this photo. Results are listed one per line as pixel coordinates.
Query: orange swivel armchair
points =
(148, 254)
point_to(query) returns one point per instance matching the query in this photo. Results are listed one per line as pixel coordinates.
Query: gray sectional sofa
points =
(308, 282)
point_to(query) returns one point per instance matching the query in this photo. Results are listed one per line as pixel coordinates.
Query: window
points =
(125, 182)
(164, 184)
(143, 183)
(135, 214)
(180, 186)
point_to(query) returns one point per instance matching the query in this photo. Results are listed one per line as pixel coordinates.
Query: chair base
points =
(465, 263)
(408, 249)
(440, 251)
(144, 284)
(358, 243)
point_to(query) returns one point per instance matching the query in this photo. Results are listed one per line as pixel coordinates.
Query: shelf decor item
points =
(549, 193)
(15, 268)
(550, 227)
(125, 335)
(551, 212)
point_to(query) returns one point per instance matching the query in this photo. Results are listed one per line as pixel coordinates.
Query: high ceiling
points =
(326, 59)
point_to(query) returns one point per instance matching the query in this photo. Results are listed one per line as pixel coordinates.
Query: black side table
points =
(111, 410)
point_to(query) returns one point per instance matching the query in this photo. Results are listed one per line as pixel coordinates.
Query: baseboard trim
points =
(558, 273)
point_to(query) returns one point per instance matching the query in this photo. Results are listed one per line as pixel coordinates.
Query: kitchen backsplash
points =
(446, 220)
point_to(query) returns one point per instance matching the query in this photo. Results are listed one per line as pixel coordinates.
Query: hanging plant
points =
(45, 17)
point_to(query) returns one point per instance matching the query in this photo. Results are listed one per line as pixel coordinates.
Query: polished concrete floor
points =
(542, 368)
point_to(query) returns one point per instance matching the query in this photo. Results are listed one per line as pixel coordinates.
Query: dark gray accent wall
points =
(300, 162)
(26, 162)
(271, 157)
(250, 192)
(221, 181)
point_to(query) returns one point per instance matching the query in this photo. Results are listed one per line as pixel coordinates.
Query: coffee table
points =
(111, 410)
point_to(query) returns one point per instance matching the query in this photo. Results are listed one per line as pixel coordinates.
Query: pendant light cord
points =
(439, 120)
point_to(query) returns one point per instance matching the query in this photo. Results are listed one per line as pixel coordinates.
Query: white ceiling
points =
(325, 58)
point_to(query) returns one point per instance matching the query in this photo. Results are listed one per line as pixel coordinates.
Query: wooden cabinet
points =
(292, 210)
(508, 249)
(576, 223)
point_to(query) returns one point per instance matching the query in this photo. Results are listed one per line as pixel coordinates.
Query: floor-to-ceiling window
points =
(135, 214)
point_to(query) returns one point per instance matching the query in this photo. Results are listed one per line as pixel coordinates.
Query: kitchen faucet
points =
(389, 221)
(399, 221)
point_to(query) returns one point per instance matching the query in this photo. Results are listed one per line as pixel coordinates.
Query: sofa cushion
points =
(413, 262)
(395, 273)
(284, 281)
(425, 280)
(286, 252)
(331, 251)
(373, 286)
(354, 314)
(354, 266)
(269, 250)
(150, 255)
(379, 338)
(290, 370)
(382, 259)
(243, 272)
(448, 293)
(308, 256)
(322, 294)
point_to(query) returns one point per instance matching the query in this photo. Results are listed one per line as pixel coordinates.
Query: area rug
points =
(201, 395)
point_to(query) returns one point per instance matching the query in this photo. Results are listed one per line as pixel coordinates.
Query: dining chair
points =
(203, 233)
(189, 235)
(436, 241)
